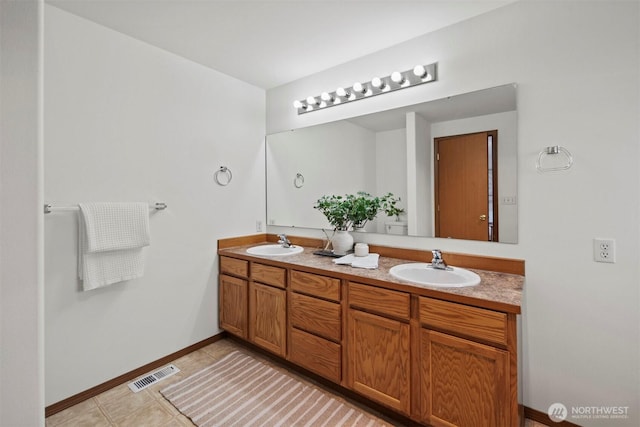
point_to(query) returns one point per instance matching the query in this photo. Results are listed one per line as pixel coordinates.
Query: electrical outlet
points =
(509, 200)
(604, 250)
(258, 225)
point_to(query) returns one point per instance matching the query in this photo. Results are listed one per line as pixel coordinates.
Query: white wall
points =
(577, 87)
(391, 159)
(21, 290)
(289, 153)
(125, 121)
(419, 176)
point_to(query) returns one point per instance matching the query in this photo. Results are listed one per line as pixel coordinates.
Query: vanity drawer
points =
(236, 267)
(315, 315)
(380, 300)
(269, 275)
(470, 321)
(314, 284)
(316, 354)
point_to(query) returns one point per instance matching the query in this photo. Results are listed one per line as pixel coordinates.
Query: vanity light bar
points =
(418, 75)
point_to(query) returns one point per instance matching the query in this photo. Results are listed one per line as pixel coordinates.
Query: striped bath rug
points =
(239, 390)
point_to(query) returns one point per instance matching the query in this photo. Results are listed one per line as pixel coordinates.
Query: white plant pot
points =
(342, 242)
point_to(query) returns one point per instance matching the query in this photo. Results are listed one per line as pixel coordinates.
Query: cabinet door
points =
(267, 317)
(464, 383)
(233, 305)
(379, 359)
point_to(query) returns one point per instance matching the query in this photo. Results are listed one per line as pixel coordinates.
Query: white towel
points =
(370, 261)
(111, 237)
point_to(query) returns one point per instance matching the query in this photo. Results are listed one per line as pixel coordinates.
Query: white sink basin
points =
(274, 250)
(424, 274)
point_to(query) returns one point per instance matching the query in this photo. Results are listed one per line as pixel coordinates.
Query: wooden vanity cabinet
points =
(315, 318)
(233, 305)
(268, 308)
(465, 382)
(438, 362)
(379, 345)
(253, 303)
(233, 293)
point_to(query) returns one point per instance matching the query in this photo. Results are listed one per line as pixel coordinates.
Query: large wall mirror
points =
(424, 153)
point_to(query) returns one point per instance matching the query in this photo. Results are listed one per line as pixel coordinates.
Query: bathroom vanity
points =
(439, 356)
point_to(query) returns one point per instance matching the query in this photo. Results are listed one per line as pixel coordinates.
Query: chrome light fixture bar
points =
(418, 75)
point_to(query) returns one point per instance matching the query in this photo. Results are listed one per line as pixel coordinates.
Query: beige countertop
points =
(497, 291)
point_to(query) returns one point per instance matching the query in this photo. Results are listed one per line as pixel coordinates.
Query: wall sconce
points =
(420, 74)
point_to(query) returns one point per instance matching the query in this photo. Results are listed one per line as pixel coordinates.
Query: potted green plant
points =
(389, 206)
(337, 210)
(364, 208)
(353, 210)
(349, 210)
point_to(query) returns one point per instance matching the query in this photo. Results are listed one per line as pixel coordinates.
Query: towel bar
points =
(48, 208)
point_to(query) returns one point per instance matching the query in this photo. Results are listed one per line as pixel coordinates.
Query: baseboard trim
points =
(543, 418)
(131, 375)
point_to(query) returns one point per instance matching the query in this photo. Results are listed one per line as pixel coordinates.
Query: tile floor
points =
(122, 408)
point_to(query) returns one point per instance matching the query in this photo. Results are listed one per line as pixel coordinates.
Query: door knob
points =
(483, 217)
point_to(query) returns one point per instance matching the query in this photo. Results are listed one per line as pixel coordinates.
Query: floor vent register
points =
(144, 382)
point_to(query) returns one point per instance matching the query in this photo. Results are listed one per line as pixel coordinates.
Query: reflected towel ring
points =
(298, 181)
(223, 171)
(552, 151)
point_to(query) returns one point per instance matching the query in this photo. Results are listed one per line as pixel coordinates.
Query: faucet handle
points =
(284, 241)
(437, 262)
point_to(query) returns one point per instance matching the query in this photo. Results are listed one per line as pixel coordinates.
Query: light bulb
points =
(357, 87)
(420, 71)
(341, 92)
(297, 104)
(326, 97)
(312, 101)
(378, 83)
(397, 77)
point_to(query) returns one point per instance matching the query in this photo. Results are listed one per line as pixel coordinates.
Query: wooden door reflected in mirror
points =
(466, 186)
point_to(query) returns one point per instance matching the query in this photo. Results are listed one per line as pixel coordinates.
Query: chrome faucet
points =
(437, 262)
(284, 241)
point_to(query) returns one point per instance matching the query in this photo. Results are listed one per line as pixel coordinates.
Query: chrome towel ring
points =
(298, 181)
(223, 176)
(553, 151)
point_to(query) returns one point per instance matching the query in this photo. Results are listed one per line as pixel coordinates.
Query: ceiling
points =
(494, 100)
(268, 43)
